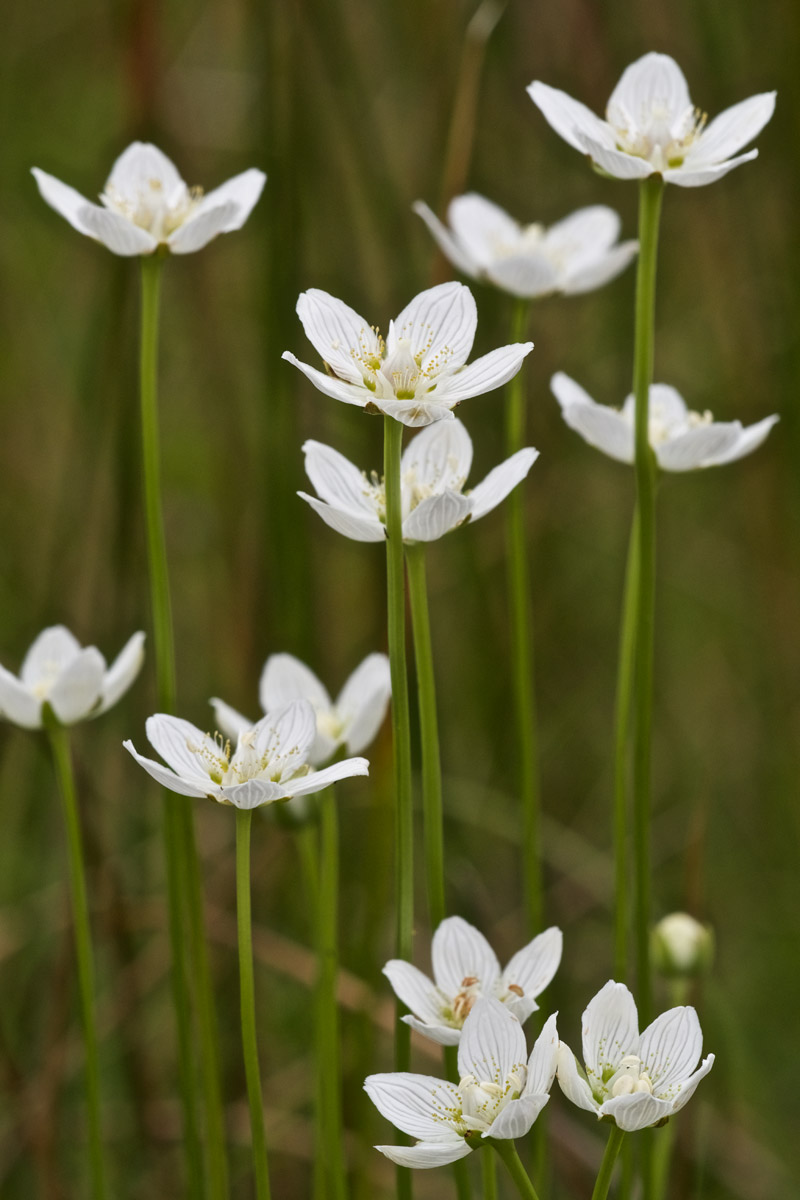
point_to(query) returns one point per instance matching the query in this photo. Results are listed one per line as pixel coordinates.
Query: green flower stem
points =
(622, 714)
(508, 1152)
(331, 1175)
(650, 196)
(488, 1176)
(603, 1181)
(429, 732)
(401, 737)
(460, 1166)
(522, 644)
(59, 744)
(248, 1003)
(184, 890)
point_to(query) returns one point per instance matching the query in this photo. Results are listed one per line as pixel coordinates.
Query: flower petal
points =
(637, 1110)
(687, 1089)
(584, 235)
(448, 244)
(141, 166)
(49, 654)
(168, 778)
(284, 679)
(500, 481)
(117, 233)
(419, 411)
(336, 480)
(610, 1028)
(228, 720)
(253, 793)
(484, 228)
(122, 672)
(616, 162)
(190, 752)
(339, 389)
(440, 326)
(203, 227)
(345, 521)
(435, 516)
(485, 374)
(543, 1061)
(533, 967)
(654, 81)
(316, 781)
(492, 1042)
(569, 117)
(699, 176)
(415, 989)
(750, 439)
(670, 1049)
(443, 1035)
(601, 271)
(79, 686)
(415, 1104)
(698, 447)
(17, 703)
(518, 1116)
(527, 274)
(459, 951)
(428, 1154)
(285, 736)
(732, 129)
(361, 705)
(571, 1081)
(340, 336)
(64, 199)
(603, 427)
(440, 457)
(243, 191)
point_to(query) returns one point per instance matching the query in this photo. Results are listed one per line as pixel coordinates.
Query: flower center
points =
(153, 209)
(630, 1077)
(657, 133)
(463, 1002)
(483, 1099)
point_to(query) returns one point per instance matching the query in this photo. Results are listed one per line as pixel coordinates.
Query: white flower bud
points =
(682, 946)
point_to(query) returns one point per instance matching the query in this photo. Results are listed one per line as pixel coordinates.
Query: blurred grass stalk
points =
(184, 887)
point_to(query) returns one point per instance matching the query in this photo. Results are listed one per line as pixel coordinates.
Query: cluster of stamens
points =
(657, 136)
(630, 1077)
(152, 209)
(463, 1002)
(482, 1099)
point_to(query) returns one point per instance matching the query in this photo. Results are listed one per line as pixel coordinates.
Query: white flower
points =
(74, 681)
(638, 1081)
(351, 721)
(681, 946)
(418, 374)
(146, 204)
(268, 762)
(575, 255)
(681, 440)
(652, 127)
(465, 968)
(433, 470)
(500, 1094)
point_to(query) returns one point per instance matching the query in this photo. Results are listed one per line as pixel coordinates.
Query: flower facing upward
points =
(146, 204)
(433, 474)
(575, 255)
(267, 763)
(635, 1080)
(351, 721)
(681, 440)
(500, 1094)
(465, 968)
(417, 375)
(73, 680)
(652, 127)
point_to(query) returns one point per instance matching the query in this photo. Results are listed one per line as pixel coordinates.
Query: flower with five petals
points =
(146, 205)
(575, 255)
(418, 374)
(652, 127)
(500, 1094)
(635, 1080)
(465, 968)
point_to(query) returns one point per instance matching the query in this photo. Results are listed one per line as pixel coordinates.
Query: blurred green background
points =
(350, 108)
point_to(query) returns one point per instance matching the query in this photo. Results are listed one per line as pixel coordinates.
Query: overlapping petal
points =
(532, 968)
(363, 701)
(415, 1104)
(492, 1043)
(440, 457)
(570, 119)
(439, 324)
(460, 951)
(610, 1029)
(78, 688)
(435, 516)
(340, 336)
(482, 226)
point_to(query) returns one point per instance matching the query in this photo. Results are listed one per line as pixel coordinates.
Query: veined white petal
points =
(228, 720)
(569, 117)
(168, 779)
(617, 162)
(543, 1061)
(285, 678)
(500, 481)
(436, 516)
(339, 389)
(533, 967)
(518, 1116)
(64, 199)
(483, 227)
(443, 1035)
(520, 1006)
(601, 271)
(122, 672)
(139, 167)
(750, 439)
(79, 686)
(698, 447)
(243, 191)
(610, 1028)
(416, 991)
(439, 325)
(665, 401)
(420, 411)
(699, 176)
(415, 1104)
(584, 235)
(336, 480)
(449, 245)
(687, 1089)
(202, 227)
(361, 705)
(638, 1110)
(528, 274)
(345, 521)
(190, 752)
(732, 129)
(340, 336)
(49, 654)
(571, 1081)
(492, 1042)
(653, 82)
(286, 733)
(459, 951)
(485, 374)
(598, 425)
(253, 793)
(17, 703)
(440, 457)
(428, 1154)
(316, 781)
(116, 232)
(670, 1049)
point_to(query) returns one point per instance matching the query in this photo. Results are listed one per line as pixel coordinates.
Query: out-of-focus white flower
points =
(351, 721)
(681, 440)
(465, 968)
(500, 1095)
(635, 1080)
(146, 204)
(73, 680)
(268, 763)
(574, 255)
(652, 127)
(433, 474)
(681, 945)
(418, 375)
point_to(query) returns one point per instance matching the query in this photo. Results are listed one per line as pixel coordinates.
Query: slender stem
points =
(664, 1140)
(625, 674)
(650, 196)
(489, 1176)
(429, 732)
(603, 1181)
(522, 645)
(248, 1003)
(401, 735)
(460, 1166)
(83, 952)
(508, 1152)
(332, 1172)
